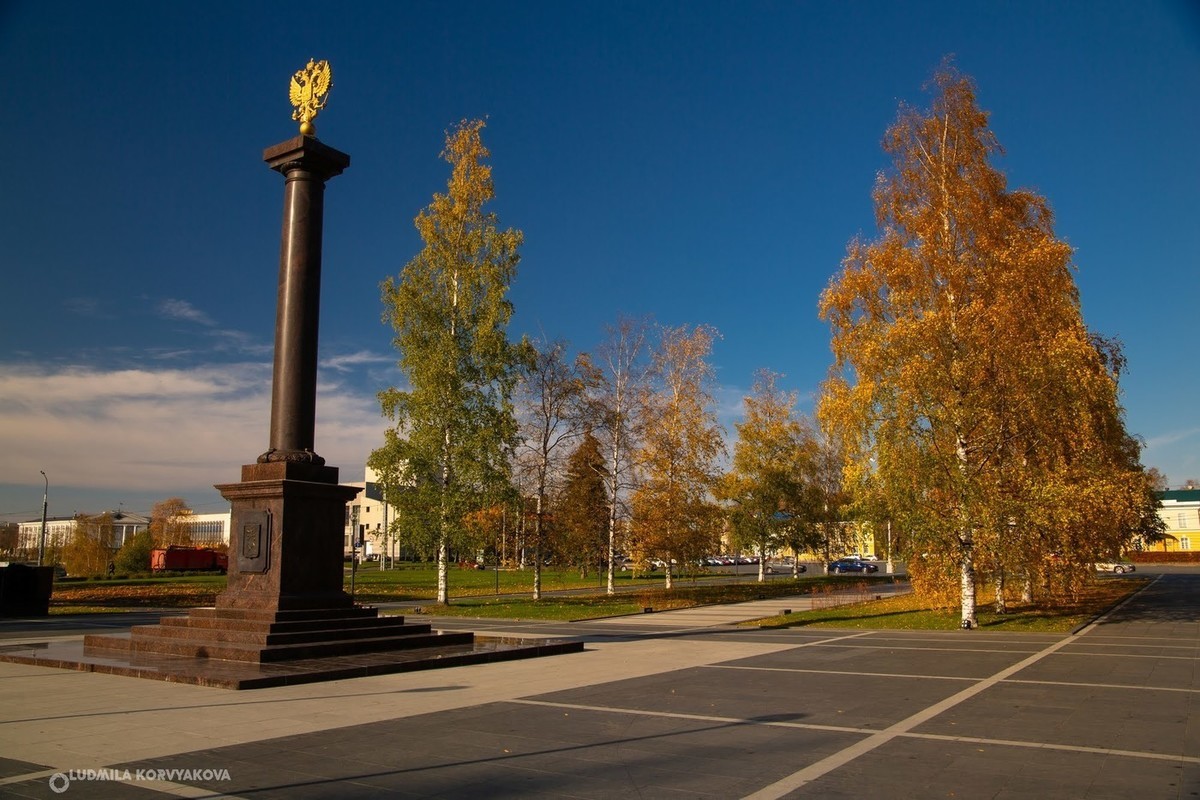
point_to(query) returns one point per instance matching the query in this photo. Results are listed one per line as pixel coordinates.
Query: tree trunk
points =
(762, 562)
(1027, 587)
(1001, 605)
(443, 553)
(670, 582)
(443, 572)
(537, 548)
(966, 536)
(967, 577)
(614, 482)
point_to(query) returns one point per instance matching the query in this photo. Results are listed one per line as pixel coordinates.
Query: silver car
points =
(1115, 567)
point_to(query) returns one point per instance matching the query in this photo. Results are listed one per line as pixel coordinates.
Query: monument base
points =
(283, 617)
(255, 636)
(286, 538)
(115, 659)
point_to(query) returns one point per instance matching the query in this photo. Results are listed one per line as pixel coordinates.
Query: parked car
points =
(851, 565)
(1115, 567)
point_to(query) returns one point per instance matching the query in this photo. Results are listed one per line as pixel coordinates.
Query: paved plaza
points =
(665, 705)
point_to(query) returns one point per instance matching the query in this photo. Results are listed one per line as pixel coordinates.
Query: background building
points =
(1180, 512)
(369, 515)
(60, 529)
(207, 530)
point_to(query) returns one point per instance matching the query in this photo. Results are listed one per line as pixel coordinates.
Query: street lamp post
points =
(42, 539)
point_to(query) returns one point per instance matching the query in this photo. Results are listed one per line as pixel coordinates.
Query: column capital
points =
(307, 153)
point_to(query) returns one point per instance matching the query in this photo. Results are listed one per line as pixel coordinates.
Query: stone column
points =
(307, 165)
(285, 544)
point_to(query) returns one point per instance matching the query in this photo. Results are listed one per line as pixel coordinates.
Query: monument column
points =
(307, 165)
(288, 511)
(284, 601)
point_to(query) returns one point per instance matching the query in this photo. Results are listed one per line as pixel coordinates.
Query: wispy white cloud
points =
(347, 362)
(1171, 437)
(182, 309)
(148, 429)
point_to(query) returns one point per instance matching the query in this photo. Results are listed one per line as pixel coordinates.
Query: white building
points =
(205, 530)
(208, 530)
(1180, 513)
(58, 533)
(371, 516)
(60, 529)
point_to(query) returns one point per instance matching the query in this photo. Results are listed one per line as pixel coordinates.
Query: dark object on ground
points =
(25, 590)
(851, 565)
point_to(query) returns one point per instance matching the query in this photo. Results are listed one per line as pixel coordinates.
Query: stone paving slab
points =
(976, 770)
(506, 750)
(705, 711)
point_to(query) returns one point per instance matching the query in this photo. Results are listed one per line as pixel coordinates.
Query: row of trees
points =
(92, 547)
(637, 418)
(968, 404)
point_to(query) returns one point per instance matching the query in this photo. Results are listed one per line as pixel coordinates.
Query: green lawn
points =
(412, 582)
(473, 594)
(686, 594)
(908, 612)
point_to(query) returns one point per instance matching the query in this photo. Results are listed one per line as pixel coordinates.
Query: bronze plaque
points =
(251, 540)
(254, 549)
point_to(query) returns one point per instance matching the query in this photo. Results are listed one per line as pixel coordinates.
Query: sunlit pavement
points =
(660, 705)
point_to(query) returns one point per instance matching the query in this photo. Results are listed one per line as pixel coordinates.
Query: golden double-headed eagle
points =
(309, 92)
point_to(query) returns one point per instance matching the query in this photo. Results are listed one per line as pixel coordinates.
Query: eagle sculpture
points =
(309, 92)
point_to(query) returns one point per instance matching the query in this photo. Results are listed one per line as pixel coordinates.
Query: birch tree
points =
(674, 510)
(169, 522)
(770, 491)
(964, 380)
(454, 430)
(549, 403)
(618, 378)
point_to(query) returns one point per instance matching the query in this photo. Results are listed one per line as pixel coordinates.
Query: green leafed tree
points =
(966, 392)
(134, 555)
(92, 545)
(770, 494)
(449, 449)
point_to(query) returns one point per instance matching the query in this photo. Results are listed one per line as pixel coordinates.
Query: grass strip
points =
(909, 612)
(595, 605)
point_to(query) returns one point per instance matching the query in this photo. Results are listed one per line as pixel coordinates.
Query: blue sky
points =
(704, 162)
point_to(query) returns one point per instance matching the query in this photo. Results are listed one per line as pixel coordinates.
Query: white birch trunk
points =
(537, 547)
(966, 538)
(967, 587)
(1001, 604)
(613, 483)
(443, 569)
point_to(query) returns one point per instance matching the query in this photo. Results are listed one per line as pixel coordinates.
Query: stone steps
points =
(274, 635)
(162, 643)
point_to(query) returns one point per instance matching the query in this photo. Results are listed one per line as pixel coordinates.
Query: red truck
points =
(176, 558)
